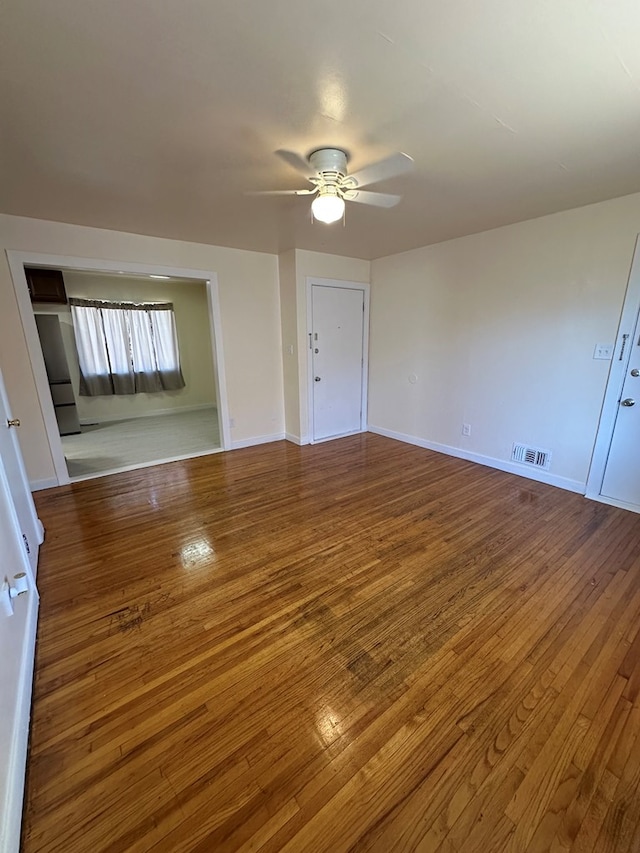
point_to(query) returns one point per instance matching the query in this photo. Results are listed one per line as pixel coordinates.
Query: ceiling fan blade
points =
(376, 199)
(395, 164)
(282, 192)
(296, 162)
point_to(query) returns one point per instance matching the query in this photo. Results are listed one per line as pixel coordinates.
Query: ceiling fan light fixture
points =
(328, 207)
(326, 170)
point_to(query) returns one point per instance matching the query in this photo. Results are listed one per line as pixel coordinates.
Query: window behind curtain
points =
(126, 348)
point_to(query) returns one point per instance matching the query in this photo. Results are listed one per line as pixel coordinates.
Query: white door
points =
(30, 525)
(622, 472)
(18, 617)
(337, 359)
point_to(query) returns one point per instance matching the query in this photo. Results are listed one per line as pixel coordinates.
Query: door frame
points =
(30, 525)
(617, 373)
(344, 285)
(18, 260)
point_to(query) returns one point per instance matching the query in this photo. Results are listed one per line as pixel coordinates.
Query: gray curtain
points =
(125, 347)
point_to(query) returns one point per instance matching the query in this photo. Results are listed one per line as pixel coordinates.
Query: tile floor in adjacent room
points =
(119, 445)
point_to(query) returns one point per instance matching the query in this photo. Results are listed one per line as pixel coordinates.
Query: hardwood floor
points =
(357, 646)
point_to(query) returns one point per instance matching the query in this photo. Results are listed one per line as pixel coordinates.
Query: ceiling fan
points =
(326, 169)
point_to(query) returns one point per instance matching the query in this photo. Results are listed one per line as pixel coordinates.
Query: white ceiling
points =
(154, 116)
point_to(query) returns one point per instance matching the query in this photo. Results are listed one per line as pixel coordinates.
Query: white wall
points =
(289, 322)
(250, 314)
(499, 328)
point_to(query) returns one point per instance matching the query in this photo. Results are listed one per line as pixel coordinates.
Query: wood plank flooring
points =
(357, 646)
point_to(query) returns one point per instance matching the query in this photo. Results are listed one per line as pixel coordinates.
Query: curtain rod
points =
(131, 306)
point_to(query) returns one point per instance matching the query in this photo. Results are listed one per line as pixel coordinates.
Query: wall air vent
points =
(531, 456)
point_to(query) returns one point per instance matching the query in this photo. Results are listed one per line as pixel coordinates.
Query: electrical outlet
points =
(603, 351)
(466, 429)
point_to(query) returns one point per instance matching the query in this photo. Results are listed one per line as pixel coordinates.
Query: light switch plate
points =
(603, 351)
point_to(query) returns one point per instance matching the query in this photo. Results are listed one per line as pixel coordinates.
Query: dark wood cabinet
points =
(45, 285)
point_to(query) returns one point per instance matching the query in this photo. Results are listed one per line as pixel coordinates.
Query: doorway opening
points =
(92, 434)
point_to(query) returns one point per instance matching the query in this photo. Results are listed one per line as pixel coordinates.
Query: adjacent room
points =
(319, 416)
(112, 426)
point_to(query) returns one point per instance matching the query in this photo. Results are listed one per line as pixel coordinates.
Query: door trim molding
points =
(32, 528)
(617, 373)
(18, 260)
(344, 285)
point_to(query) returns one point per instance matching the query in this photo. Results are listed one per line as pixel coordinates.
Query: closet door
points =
(20, 536)
(18, 619)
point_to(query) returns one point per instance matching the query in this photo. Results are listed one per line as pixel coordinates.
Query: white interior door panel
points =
(337, 343)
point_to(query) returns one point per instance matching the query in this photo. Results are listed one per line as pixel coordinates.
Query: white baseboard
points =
(613, 502)
(107, 419)
(340, 435)
(295, 439)
(11, 809)
(489, 461)
(257, 439)
(39, 485)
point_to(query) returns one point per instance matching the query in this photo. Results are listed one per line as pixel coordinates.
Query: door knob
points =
(628, 402)
(635, 372)
(317, 379)
(13, 422)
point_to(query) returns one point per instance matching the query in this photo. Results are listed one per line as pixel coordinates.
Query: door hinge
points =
(624, 344)
(26, 544)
